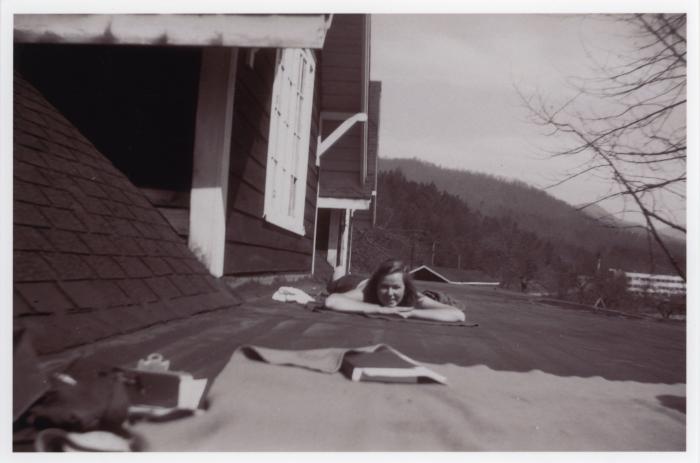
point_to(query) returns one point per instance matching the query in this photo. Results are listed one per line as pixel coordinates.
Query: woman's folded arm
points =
(427, 309)
(431, 309)
(449, 314)
(346, 303)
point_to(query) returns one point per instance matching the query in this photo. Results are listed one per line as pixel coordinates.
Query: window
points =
(288, 144)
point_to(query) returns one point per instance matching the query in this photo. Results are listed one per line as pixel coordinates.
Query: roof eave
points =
(227, 30)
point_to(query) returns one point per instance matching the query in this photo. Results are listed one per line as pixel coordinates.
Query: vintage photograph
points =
(349, 232)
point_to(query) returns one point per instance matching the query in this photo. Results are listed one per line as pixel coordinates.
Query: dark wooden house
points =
(155, 154)
(349, 106)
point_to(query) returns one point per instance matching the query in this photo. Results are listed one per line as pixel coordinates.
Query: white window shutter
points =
(288, 143)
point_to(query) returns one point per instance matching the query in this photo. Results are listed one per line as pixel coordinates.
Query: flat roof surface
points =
(515, 335)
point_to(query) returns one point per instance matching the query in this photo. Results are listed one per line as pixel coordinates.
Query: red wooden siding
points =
(254, 246)
(341, 65)
(362, 220)
(342, 73)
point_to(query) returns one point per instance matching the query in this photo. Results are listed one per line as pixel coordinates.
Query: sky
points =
(449, 91)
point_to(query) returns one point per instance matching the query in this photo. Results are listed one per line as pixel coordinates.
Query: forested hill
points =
(501, 215)
(532, 209)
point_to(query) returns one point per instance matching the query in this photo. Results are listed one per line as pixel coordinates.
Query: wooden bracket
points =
(350, 120)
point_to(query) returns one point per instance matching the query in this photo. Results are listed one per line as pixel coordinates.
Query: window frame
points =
(289, 139)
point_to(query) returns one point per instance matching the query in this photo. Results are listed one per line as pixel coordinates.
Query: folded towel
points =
(290, 294)
(327, 360)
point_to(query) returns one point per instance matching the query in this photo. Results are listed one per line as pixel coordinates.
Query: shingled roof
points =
(92, 257)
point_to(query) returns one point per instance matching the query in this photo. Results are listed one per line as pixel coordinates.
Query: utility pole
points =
(432, 254)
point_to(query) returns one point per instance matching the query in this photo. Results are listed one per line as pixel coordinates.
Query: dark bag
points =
(85, 397)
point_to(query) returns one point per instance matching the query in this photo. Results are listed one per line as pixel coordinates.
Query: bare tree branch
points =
(630, 121)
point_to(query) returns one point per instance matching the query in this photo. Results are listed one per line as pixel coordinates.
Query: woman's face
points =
(390, 289)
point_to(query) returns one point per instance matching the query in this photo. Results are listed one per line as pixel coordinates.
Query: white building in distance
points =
(662, 285)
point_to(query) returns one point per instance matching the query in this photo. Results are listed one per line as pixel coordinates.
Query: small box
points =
(153, 388)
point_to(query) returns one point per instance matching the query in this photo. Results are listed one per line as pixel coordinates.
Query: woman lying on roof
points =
(389, 290)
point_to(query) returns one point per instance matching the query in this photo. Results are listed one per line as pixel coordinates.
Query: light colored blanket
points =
(259, 406)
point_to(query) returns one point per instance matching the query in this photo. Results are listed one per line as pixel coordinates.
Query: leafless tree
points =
(628, 123)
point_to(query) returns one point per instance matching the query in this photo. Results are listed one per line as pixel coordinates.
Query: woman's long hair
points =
(410, 295)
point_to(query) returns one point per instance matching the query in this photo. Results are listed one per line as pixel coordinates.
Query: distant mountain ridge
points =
(604, 217)
(600, 214)
(532, 209)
